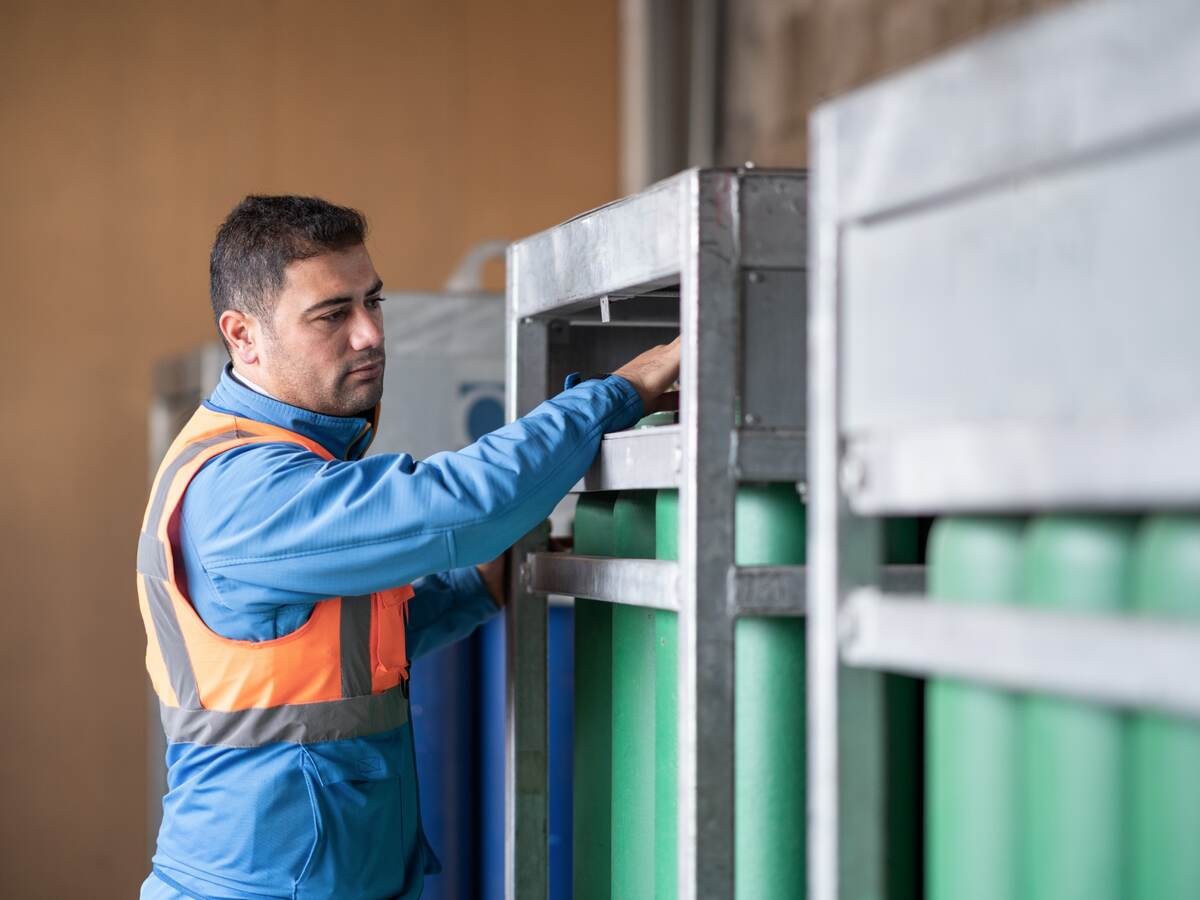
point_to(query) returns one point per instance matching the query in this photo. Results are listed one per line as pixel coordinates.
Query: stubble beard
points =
(344, 396)
(351, 397)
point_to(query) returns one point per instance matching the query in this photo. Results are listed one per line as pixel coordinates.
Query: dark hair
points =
(262, 236)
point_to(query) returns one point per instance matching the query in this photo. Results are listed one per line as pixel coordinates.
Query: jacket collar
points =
(346, 437)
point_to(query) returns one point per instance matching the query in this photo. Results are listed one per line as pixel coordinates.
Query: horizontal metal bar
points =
(768, 591)
(1024, 466)
(644, 311)
(652, 583)
(903, 579)
(783, 590)
(771, 455)
(650, 458)
(639, 459)
(631, 245)
(1124, 661)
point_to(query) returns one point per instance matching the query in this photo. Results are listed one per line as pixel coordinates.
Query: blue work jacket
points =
(268, 530)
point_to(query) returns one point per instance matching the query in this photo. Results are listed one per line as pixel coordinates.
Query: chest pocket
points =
(389, 653)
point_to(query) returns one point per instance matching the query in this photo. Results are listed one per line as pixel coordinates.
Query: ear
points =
(241, 332)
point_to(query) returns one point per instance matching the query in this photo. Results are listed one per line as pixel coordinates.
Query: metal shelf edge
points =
(650, 583)
(1125, 661)
(783, 590)
(648, 458)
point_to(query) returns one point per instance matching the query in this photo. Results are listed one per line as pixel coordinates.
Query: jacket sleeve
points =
(446, 607)
(278, 517)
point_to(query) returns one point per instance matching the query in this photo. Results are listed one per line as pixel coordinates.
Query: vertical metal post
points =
(861, 735)
(526, 765)
(846, 712)
(824, 515)
(709, 286)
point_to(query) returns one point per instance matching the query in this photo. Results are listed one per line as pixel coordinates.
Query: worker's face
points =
(323, 349)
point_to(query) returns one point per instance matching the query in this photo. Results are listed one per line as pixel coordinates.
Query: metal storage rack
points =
(1003, 319)
(720, 256)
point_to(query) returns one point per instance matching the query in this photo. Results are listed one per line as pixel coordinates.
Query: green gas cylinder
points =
(634, 680)
(971, 731)
(1164, 752)
(637, 718)
(1071, 752)
(592, 808)
(769, 708)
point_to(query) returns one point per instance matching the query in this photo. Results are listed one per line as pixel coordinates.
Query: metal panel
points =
(1119, 660)
(1038, 331)
(1047, 229)
(773, 212)
(770, 454)
(631, 243)
(1087, 78)
(1050, 298)
(773, 319)
(650, 583)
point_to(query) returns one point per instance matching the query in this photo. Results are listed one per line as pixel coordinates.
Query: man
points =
(275, 561)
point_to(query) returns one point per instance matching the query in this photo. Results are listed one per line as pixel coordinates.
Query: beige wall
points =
(128, 130)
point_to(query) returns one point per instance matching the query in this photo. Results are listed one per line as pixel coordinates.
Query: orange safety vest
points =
(342, 674)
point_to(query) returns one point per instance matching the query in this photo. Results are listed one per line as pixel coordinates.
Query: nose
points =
(367, 330)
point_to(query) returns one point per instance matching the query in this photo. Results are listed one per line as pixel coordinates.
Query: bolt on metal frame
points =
(1002, 319)
(718, 255)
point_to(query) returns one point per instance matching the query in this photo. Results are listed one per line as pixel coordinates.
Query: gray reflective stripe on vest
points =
(170, 642)
(300, 723)
(152, 564)
(151, 556)
(190, 452)
(356, 646)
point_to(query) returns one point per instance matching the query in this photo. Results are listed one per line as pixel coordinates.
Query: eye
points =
(373, 302)
(335, 316)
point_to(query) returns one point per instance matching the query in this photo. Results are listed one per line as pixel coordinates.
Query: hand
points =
(652, 373)
(493, 574)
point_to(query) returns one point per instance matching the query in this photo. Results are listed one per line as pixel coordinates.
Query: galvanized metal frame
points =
(954, 157)
(719, 240)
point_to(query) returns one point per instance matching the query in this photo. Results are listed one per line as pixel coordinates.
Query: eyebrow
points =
(337, 301)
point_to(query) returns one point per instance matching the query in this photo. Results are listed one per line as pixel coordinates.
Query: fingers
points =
(654, 371)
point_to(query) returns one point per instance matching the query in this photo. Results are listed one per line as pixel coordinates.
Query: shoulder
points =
(253, 472)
